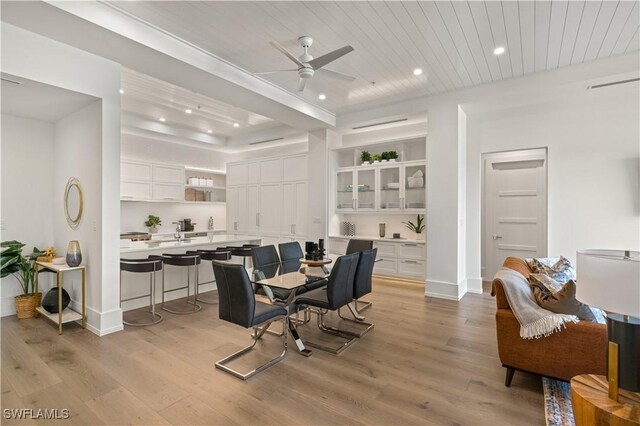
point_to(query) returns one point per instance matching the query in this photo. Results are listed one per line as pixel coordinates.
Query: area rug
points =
(557, 401)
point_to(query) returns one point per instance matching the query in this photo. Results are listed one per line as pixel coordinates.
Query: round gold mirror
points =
(73, 202)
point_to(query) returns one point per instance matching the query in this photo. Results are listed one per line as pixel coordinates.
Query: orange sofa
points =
(578, 349)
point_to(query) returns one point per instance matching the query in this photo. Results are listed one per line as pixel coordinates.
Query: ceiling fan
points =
(308, 66)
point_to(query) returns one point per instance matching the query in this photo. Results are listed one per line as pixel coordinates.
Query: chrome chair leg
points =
(351, 337)
(244, 376)
(358, 320)
(361, 306)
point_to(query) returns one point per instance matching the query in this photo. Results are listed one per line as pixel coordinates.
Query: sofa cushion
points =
(545, 283)
(558, 268)
(564, 302)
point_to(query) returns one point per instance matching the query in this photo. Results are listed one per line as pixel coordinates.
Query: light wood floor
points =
(427, 361)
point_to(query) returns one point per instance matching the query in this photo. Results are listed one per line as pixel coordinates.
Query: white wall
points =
(27, 191)
(77, 154)
(134, 214)
(28, 55)
(592, 138)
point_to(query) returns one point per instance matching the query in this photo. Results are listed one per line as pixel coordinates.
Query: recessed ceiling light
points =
(236, 125)
(209, 131)
(162, 119)
(322, 96)
(121, 91)
(417, 71)
(498, 50)
(188, 111)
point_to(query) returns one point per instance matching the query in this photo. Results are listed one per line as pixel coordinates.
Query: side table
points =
(68, 315)
(592, 406)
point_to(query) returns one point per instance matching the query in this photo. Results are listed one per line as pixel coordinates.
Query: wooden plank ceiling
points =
(453, 41)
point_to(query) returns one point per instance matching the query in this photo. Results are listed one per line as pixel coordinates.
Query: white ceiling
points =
(39, 101)
(149, 98)
(452, 41)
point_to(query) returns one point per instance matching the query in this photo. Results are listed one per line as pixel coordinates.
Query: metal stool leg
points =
(155, 317)
(196, 306)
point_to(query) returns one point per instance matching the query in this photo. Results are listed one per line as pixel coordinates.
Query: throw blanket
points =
(535, 322)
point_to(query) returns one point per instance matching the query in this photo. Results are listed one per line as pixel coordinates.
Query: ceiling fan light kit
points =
(308, 65)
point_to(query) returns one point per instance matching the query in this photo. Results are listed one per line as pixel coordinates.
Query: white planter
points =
(366, 163)
(393, 160)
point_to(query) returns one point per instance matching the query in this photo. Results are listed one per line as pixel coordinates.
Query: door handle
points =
(294, 228)
(497, 237)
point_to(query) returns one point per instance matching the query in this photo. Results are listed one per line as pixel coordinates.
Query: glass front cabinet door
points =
(414, 196)
(390, 188)
(345, 197)
(365, 191)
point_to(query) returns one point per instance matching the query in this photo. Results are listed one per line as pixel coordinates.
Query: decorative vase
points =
(383, 228)
(74, 255)
(50, 300)
(26, 305)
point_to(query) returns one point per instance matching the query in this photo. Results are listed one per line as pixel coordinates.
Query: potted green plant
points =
(12, 262)
(153, 223)
(376, 158)
(365, 157)
(384, 156)
(417, 227)
(392, 156)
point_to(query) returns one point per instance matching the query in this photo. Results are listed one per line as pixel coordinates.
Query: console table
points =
(68, 315)
(592, 406)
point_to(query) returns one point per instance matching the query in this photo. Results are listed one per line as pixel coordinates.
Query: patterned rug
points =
(557, 401)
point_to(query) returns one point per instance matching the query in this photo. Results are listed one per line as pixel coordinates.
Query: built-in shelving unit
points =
(142, 181)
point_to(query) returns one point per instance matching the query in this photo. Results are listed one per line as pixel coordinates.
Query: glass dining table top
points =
(287, 278)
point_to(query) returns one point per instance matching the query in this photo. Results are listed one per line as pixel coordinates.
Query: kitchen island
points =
(133, 285)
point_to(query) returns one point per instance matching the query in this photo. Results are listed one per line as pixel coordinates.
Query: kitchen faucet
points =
(178, 234)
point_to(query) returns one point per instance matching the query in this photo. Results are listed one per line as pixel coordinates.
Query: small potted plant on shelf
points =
(417, 227)
(384, 157)
(376, 158)
(392, 156)
(365, 157)
(23, 268)
(153, 223)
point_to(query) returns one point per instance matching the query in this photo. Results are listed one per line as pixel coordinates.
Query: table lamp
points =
(610, 280)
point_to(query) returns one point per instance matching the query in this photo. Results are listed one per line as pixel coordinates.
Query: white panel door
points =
(294, 168)
(232, 209)
(271, 170)
(288, 208)
(515, 207)
(270, 212)
(135, 170)
(168, 174)
(249, 208)
(300, 223)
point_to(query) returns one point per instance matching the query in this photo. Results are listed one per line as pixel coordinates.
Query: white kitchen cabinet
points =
(168, 192)
(386, 266)
(134, 190)
(294, 168)
(250, 204)
(411, 250)
(253, 172)
(411, 268)
(237, 174)
(232, 208)
(131, 170)
(271, 170)
(168, 174)
(386, 249)
(294, 208)
(269, 214)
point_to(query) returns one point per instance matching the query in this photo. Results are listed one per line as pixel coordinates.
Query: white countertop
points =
(215, 240)
(386, 239)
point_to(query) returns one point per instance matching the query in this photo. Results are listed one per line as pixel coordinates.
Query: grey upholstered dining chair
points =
(239, 306)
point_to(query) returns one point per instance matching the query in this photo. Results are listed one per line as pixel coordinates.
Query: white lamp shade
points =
(609, 281)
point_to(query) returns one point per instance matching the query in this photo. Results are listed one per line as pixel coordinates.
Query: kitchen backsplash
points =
(134, 214)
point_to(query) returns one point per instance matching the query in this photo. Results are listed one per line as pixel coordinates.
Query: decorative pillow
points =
(564, 302)
(558, 268)
(545, 283)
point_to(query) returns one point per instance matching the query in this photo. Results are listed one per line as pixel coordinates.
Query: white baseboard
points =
(474, 285)
(442, 290)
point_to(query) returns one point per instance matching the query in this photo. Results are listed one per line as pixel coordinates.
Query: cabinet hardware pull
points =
(168, 198)
(410, 245)
(126, 196)
(410, 261)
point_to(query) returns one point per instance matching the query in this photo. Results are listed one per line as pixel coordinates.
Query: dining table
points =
(270, 277)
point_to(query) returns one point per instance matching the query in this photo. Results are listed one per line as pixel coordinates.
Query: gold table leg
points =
(84, 313)
(59, 282)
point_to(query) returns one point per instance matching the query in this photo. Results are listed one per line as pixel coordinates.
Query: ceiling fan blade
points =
(287, 53)
(332, 74)
(323, 60)
(301, 83)
(272, 72)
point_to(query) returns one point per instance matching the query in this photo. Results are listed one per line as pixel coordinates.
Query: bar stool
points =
(187, 261)
(141, 266)
(243, 252)
(210, 255)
